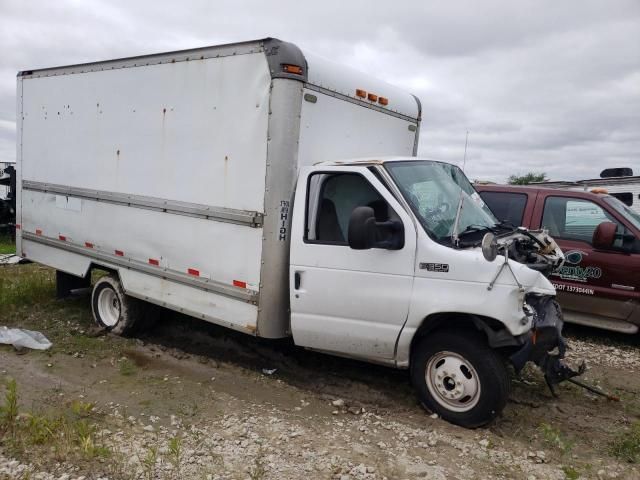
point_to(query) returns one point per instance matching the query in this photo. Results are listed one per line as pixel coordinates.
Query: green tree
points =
(531, 177)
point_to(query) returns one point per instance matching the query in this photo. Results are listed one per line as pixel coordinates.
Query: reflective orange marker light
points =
(361, 93)
(295, 69)
(372, 97)
(599, 190)
(383, 101)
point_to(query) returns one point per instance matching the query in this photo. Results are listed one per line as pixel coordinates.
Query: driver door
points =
(346, 301)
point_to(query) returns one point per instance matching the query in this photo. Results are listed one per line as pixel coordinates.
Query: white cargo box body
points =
(178, 170)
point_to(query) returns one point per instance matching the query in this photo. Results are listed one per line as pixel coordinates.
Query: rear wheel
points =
(115, 311)
(459, 377)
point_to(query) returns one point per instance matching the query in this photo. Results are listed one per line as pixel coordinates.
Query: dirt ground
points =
(191, 400)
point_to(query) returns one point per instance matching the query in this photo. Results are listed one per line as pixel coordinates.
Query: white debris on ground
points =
(9, 259)
(21, 338)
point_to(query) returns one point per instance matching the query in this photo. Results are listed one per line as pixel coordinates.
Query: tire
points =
(116, 312)
(459, 377)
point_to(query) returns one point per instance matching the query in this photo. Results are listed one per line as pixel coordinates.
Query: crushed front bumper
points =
(545, 346)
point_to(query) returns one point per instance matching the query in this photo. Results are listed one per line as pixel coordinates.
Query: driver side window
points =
(332, 199)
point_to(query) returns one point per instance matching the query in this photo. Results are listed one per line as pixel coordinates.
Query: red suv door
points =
(592, 283)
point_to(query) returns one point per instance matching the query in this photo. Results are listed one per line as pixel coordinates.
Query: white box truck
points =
(213, 182)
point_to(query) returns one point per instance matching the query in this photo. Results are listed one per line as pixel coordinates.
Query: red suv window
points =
(574, 218)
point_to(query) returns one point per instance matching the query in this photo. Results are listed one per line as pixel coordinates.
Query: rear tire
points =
(114, 310)
(459, 377)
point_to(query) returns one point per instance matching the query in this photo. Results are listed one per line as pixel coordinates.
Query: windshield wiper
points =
(474, 229)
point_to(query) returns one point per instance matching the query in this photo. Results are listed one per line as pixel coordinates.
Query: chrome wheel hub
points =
(452, 381)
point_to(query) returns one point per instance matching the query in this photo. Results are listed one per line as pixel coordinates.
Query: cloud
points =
(544, 86)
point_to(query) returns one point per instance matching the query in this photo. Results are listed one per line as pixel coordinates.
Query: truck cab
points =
(378, 273)
(598, 285)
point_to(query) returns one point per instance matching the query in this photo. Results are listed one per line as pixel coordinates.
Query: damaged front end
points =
(545, 346)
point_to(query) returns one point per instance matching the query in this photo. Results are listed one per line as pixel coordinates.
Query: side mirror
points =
(365, 232)
(362, 228)
(604, 236)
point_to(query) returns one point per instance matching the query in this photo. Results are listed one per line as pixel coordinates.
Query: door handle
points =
(297, 279)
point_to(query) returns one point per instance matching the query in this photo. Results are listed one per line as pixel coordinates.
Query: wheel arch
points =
(493, 330)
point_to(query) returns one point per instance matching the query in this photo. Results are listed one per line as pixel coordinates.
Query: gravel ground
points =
(193, 401)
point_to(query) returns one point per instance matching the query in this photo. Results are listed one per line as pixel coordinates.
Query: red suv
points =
(599, 284)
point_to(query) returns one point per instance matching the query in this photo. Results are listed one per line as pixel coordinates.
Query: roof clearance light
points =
(295, 69)
(599, 190)
(372, 97)
(361, 93)
(383, 101)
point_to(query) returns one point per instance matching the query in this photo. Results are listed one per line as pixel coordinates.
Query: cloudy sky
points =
(542, 86)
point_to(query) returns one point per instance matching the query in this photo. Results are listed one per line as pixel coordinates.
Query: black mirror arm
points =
(393, 225)
(397, 242)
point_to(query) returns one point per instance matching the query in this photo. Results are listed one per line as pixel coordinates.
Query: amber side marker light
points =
(372, 97)
(599, 190)
(383, 101)
(295, 69)
(361, 93)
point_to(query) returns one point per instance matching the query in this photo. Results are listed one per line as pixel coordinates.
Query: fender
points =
(498, 336)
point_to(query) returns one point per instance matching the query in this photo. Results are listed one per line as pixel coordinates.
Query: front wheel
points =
(459, 377)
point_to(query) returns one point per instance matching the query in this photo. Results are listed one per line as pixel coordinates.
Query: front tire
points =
(115, 311)
(459, 377)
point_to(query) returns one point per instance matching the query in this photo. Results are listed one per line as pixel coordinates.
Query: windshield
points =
(625, 211)
(434, 190)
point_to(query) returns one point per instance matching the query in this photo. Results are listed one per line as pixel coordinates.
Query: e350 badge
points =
(435, 267)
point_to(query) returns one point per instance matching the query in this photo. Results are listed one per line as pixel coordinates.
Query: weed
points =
(570, 473)
(81, 409)
(626, 446)
(149, 462)
(9, 409)
(175, 453)
(257, 470)
(39, 429)
(554, 438)
(126, 367)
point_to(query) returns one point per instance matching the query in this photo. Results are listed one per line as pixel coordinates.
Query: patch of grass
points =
(67, 436)
(570, 473)
(175, 453)
(7, 245)
(126, 367)
(9, 408)
(82, 409)
(626, 446)
(25, 285)
(555, 438)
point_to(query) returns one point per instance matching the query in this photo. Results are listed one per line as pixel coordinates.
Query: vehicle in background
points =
(618, 182)
(214, 182)
(7, 198)
(599, 284)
